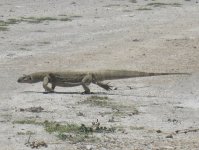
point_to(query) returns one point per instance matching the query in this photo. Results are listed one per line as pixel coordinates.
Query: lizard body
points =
(75, 78)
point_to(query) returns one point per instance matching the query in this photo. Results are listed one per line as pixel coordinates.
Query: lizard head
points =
(25, 79)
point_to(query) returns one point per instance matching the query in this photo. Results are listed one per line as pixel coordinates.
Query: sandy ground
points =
(105, 34)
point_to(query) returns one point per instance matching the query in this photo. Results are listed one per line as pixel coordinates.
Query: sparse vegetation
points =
(43, 19)
(5, 23)
(160, 4)
(118, 109)
(28, 121)
(9, 21)
(3, 28)
(76, 138)
(37, 19)
(51, 127)
(73, 132)
(13, 21)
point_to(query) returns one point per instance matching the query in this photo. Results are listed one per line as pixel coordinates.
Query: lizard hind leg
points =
(105, 86)
(86, 81)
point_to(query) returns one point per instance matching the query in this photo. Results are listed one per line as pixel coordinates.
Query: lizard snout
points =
(19, 80)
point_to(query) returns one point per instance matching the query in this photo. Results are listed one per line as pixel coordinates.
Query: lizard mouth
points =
(19, 81)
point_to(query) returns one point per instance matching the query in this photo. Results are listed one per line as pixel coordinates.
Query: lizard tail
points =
(121, 74)
(159, 74)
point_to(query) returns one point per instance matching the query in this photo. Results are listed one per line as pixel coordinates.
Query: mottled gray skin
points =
(72, 78)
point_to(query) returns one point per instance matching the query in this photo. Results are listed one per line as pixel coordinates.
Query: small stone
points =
(169, 136)
(159, 131)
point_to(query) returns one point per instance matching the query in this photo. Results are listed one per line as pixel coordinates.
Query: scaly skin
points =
(72, 78)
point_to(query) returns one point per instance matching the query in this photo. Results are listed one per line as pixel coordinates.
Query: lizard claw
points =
(105, 86)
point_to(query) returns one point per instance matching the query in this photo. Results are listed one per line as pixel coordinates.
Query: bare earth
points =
(102, 34)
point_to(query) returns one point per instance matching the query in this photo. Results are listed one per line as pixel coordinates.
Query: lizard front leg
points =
(45, 84)
(53, 86)
(86, 82)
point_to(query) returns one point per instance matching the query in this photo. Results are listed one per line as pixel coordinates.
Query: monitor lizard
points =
(77, 78)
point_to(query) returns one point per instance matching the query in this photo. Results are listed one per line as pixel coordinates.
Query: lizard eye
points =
(27, 78)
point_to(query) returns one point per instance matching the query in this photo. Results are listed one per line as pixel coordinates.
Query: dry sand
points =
(105, 34)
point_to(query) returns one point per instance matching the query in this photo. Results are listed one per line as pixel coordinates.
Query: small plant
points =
(51, 127)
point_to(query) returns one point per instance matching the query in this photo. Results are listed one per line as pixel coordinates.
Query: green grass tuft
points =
(51, 127)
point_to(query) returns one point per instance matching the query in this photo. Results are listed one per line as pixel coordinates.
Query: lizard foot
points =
(105, 86)
(46, 92)
(87, 92)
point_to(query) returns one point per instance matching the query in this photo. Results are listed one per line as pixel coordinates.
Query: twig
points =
(29, 138)
(186, 131)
